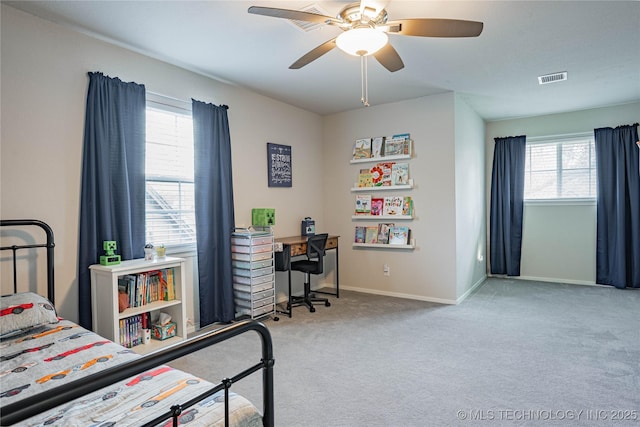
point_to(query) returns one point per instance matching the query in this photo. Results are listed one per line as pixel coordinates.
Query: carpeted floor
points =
(514, 353)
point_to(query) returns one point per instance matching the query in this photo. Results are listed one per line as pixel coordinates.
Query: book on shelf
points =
(407, 142)
(359, 234)
(400, 174)
(407, 206)
(399, 235)
(377, 203)
(383, 232)
(392, 205)
(376, 175)
(371, 234)
(363, 204)
(377, 145)
(169, 293)
(362, 148)
(131, 329)
(394, 146)
(147, 287)
(365, 179)
(387, 170)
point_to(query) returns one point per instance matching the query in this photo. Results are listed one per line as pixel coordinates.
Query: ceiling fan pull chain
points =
(364, 86)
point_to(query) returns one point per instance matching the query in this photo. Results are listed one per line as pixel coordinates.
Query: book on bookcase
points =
(371, 234)
(362, 148)
(399, 235)
(147, 287)
(131, 329)
(359, 234)
(383, 232)
(169, 283)
(363, 204)
(377, 203)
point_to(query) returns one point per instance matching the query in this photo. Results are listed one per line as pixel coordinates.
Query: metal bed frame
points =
(49, 245)
(31, 406)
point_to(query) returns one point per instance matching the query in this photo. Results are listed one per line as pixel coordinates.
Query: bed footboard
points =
(28, 407)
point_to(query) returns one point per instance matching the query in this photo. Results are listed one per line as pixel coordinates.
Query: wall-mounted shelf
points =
(384, 246)
(382, 159)
(390, 169)
(384, 187)
(383, 217)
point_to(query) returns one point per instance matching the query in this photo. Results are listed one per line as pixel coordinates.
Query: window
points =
(560, 168)
(170, 208)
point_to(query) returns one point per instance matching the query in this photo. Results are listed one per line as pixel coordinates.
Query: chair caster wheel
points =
(275, 319)
(312, 310)
(327, 304)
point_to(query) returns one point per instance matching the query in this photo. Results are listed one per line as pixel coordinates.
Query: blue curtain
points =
(507, 195)
(214, 211)
(113, 180)
(618, 207)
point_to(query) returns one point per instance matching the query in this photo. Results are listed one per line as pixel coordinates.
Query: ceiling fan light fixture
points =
(363, 41)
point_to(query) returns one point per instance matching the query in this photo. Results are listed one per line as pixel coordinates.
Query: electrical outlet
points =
(387, 270)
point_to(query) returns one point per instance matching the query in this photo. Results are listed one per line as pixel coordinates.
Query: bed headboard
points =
(49, 245)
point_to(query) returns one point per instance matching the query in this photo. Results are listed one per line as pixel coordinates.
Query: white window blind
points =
(560, 168)
(170, 209)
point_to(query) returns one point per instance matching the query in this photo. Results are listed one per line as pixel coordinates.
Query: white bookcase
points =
(104, 298)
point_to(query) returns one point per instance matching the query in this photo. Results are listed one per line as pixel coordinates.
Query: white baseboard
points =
(471, 290)
(551, 280)
(399, 295)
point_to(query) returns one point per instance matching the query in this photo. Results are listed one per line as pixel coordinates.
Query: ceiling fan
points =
(365, 29)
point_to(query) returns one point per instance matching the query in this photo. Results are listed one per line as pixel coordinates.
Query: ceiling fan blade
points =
(295, 15)
(389, 58)
(433, 27)
(314, 54)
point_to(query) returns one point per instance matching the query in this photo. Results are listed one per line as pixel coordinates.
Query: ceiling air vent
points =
(309, 26)
(552, 78)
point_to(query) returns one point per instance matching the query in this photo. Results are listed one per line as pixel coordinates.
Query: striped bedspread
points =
(52, 354)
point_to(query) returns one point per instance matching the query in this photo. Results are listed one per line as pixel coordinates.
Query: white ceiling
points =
(596, 42)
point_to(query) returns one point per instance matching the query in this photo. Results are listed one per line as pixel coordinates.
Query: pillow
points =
(23, 311)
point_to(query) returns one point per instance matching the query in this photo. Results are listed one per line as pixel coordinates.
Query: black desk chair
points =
(312, 265)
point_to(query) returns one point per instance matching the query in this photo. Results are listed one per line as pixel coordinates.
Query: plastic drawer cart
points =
(253, 272)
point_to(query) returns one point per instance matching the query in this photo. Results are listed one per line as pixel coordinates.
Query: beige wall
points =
(44, 84)
(471, 242)
(429, 271)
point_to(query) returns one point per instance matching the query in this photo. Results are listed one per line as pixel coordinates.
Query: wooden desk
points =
(295, 246)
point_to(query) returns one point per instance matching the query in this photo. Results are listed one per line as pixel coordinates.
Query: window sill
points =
(177, 250)
(561, 202)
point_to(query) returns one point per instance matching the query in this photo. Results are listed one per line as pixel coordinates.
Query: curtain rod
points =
(168, 97)
(561, 136)
(155, 94)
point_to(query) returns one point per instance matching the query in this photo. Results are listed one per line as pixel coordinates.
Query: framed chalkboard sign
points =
(279, 165)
